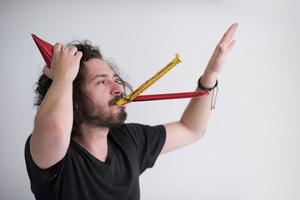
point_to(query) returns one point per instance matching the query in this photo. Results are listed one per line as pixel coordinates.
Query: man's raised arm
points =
(194, 120)
(54, 118)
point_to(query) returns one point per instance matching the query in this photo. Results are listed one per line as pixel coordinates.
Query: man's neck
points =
(94, 140)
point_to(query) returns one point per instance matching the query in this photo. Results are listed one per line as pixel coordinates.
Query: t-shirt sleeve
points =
(149, 142)
(38, 176)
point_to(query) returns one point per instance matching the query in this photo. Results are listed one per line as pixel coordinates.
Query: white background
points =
(252, 145)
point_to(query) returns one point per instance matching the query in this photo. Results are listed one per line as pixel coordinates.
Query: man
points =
(81, 149)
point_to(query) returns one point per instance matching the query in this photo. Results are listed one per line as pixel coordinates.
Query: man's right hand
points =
(65, 63)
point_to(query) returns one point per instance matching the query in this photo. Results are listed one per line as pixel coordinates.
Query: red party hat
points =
(45, 48)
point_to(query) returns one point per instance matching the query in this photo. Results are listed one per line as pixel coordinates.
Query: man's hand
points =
(217, 59)
(64, 64)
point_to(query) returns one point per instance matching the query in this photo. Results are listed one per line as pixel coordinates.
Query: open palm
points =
(217, 59)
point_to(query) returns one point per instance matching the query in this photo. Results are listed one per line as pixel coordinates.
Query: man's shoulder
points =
(135, 131)
(127, 128)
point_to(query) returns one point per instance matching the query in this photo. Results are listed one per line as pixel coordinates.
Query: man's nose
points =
(117, 89)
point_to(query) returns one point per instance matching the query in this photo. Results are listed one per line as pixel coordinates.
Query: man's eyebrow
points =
(99, 76)
(103, 76)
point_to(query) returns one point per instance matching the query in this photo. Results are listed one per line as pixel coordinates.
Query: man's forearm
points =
(56, 110)
(198, 111)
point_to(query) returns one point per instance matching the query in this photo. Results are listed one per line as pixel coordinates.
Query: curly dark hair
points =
(88, 52)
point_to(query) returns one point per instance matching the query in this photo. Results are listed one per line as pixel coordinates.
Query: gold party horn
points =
(150, 81)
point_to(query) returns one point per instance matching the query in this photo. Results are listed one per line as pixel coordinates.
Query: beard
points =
(103, 117)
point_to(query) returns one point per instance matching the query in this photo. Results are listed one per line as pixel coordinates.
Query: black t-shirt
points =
(132, 148)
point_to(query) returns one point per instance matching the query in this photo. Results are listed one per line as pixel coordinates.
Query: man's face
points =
(103, 87)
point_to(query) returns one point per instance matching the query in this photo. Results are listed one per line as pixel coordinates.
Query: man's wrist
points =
(208, 80)
(211, 86)
(63, 79)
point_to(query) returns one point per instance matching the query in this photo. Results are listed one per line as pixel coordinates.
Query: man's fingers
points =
(231, 45)
(78, 55)
(73, 50)
(227, 37)
(47, 72)
(57, 47)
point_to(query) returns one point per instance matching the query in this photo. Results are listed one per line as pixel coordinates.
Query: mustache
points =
(114, 100)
